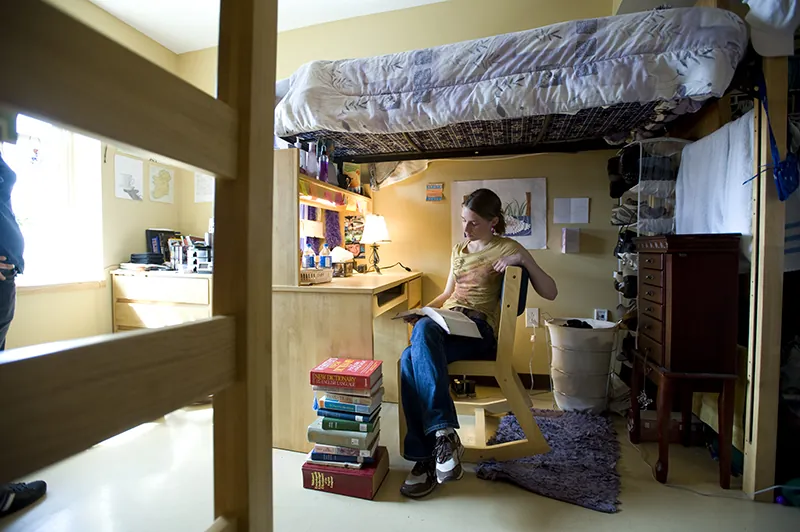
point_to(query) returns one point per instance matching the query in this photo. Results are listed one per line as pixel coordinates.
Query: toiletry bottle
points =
(311, 160)
(323, 164)
(303, 155)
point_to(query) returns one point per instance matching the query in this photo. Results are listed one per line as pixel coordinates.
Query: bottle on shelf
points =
(303, 155)
(325, 259)
(323, 165)
(311, 160)
(309, 258)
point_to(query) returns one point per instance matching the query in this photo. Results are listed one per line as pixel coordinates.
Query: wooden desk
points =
(349, 317)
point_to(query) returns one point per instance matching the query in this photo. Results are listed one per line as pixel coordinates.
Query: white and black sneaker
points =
(421, 481)
(448, 453)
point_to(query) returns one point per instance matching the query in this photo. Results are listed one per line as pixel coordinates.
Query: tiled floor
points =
(158, 477)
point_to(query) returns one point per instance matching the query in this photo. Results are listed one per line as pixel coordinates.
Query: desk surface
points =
(162, 273)
(370, 283)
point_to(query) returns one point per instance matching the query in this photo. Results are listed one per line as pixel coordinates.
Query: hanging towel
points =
(714, 192)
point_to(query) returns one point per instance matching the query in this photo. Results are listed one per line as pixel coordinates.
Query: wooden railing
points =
(62, 398)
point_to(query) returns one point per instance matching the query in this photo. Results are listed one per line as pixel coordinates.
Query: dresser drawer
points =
(652, 328)
(651, 260)
(153, 316)
(189, 290)
(654, 310)
(650, 293)
(652, 277)
(651, 349)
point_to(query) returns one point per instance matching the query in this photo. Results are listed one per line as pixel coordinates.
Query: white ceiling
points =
(188, 25)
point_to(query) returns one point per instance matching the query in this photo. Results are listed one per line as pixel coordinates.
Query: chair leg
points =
(635, 425)
(520, 403)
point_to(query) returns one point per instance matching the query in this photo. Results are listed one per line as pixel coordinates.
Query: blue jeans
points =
(425, 383)
(8, 296)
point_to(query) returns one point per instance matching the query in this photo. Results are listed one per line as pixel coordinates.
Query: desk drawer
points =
(650, 293)
(651, 260)
(162, 289)
(153, 316)
(651, 349)
(652, 328)
(652, 277)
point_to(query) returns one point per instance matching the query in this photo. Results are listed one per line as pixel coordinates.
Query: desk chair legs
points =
(664, 413)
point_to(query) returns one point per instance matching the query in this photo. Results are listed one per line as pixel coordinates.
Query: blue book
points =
(331, 404)
(340, 458)
(349, 416)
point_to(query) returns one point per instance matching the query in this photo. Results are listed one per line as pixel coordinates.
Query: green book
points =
(330, 423)
(341, 438)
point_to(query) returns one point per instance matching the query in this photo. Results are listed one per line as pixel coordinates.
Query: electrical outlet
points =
(531, 317)
(601, 314)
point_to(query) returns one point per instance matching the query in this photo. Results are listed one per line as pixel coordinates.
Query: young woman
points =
(473, 288)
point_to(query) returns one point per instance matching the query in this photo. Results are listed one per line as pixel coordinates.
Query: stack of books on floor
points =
(347, 457)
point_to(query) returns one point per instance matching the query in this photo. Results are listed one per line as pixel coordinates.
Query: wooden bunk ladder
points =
(62, 398)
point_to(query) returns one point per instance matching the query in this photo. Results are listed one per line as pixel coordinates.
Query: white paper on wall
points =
(162, 184)
(524, 208)
(571, 211)
(128, 178)
(203, 188)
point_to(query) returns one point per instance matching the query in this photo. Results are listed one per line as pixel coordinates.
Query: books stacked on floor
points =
(347, 457)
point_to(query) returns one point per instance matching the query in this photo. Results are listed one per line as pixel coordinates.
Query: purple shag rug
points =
(581, 467)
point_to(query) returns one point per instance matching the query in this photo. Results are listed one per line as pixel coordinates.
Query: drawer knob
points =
(649, 293)
(648, 261)
(648, 277)
(646, 326)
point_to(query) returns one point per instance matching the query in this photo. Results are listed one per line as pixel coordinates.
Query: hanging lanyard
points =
(785, 172)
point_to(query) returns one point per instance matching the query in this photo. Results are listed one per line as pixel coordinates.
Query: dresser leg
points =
(686, 415)
(634, 422)
(661, 467)
(725, 423)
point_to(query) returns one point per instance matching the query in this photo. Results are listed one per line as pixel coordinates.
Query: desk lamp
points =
(375, 234)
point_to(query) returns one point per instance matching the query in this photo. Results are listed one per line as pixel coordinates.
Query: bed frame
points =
(62, 398)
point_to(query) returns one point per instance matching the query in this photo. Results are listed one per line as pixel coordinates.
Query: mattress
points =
(584, 79)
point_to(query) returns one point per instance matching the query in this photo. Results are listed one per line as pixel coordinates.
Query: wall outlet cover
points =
(531, 317)
(601, 314)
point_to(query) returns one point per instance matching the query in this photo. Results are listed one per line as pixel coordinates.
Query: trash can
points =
(580, 363)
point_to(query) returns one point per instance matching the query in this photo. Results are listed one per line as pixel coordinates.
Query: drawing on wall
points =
(203, 188)
(353, 231)
(162, 184)
(128, 178)
(524, 208)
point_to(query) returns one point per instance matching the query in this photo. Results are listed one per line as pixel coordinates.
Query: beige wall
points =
(399, 31)
(115, 29)
(421, 239)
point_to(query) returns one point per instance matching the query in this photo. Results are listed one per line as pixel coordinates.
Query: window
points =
(57, 201)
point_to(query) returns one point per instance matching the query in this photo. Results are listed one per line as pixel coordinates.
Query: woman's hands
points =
(4, 266)
(516, 259)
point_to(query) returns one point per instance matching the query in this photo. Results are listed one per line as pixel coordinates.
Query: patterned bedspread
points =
(592, 78)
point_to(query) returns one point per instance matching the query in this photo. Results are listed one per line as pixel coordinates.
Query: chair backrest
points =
(513, 300)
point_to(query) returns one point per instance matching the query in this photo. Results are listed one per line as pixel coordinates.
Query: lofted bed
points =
(72, 395)
(572, 86)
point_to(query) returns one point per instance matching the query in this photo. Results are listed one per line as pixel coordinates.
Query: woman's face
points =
(476, 227)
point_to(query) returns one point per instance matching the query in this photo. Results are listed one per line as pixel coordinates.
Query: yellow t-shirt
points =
(478, 286)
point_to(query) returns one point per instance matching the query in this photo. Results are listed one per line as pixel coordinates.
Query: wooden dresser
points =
(688, 301)
(688, 317)
(150, 300)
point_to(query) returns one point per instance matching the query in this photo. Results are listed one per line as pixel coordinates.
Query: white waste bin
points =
(580, 363)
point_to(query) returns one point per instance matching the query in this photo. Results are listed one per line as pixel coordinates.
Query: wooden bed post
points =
(243, 266)
(766, 290)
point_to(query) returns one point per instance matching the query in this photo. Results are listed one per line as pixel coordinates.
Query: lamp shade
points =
(375, 231)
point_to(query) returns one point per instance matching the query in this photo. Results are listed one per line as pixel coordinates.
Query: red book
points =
(362, 483)
(347, 373)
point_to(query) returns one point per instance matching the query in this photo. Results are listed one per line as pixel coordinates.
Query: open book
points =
(451, 321)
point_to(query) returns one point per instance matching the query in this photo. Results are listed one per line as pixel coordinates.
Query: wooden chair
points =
(515, 397)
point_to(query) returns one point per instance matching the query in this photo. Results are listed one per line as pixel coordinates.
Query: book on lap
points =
(452, 322)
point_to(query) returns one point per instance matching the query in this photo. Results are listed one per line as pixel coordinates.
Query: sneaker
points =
(421, 481)
(15, 497)
(448, 454)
